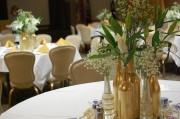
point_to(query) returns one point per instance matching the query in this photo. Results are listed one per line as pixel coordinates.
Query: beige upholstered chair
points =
(47, 37)
(6, 31)
(78, 26)
(85, 36)
(80, 74)
(21, 74)
(75, 40)
(6, 37)
(95, 42)
(61, 57)
(73, 31)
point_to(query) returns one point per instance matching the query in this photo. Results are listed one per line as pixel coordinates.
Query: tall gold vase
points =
(116, 82)
(125, 93)
(155, 94)
(135, 81)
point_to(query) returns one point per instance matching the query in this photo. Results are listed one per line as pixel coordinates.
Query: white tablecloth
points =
(42, 66)
(71, 102)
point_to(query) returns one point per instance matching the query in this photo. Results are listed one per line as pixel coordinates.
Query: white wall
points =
(39, 8)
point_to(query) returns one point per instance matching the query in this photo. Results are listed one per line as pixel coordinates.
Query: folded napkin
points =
(13, 49)
(90, 26)
(9, 44)
(44, 49)
(61, 42)
(42, 41)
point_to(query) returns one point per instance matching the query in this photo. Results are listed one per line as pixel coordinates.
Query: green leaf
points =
(130, 56)
(172, 27)
(161, 17)
(155, 38)
(116, 26)
(100, 55)
(128, 21)
(108, 36)
(146, 30)
(133, 38)
(105, 47)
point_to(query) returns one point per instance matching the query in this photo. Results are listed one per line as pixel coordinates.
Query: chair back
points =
(73, 31)
(95, 42)
(61, 57)
(6, 37)
(20, 66)
(78, 26)
(80, 74)
(47, 37)
(6, 31)
(75, 40)
(85, 34)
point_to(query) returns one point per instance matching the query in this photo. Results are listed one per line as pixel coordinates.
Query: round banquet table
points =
(73, 101)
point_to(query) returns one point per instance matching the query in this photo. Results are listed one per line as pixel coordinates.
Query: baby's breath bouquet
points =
(25, 22)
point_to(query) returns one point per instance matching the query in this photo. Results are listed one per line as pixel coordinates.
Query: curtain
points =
(3, 10)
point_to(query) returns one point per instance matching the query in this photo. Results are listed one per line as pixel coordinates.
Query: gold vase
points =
(155, 94)
(125, 93)
(116, 82)
(34, 40)
(26, 42)
(135, 81)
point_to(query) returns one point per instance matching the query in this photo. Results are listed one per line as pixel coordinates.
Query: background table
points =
(42, 66)
(72, 101)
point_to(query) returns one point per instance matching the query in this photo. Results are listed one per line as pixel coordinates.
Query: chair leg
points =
(10, 97)
(36, 90)
(52, 85)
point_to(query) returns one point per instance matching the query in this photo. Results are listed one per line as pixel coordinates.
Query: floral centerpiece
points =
(174, 12)
(131, 28)
(25, 22)
(26, 25)
(104, 16)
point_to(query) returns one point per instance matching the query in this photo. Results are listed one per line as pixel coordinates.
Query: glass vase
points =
(117, 80)
(26, 42)
(125, 93)
(146, 103)
(108, 99)
(155, 94)
(135, 81)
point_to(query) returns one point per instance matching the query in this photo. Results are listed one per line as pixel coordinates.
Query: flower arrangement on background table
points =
(26, 25)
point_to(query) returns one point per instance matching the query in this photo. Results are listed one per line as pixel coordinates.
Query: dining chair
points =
(21, 74)
(61, 57)
(95, 42)
(85, 36)
(7, 37)
(47, 37)
(79, 74)
(75, 40)
(6, 31)
(78, 26)
(73, 31)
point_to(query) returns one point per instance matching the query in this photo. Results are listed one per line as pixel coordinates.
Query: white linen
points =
(71, 102)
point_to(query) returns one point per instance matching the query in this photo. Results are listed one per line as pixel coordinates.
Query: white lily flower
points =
(122, 43)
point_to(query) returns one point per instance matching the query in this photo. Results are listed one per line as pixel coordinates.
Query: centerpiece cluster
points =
(130, 39)
(26, 25)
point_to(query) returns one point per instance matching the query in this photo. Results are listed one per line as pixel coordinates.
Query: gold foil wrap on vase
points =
(155, 94)
(34, 41)
(125, 92)
(135, 81)
(116, 82)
